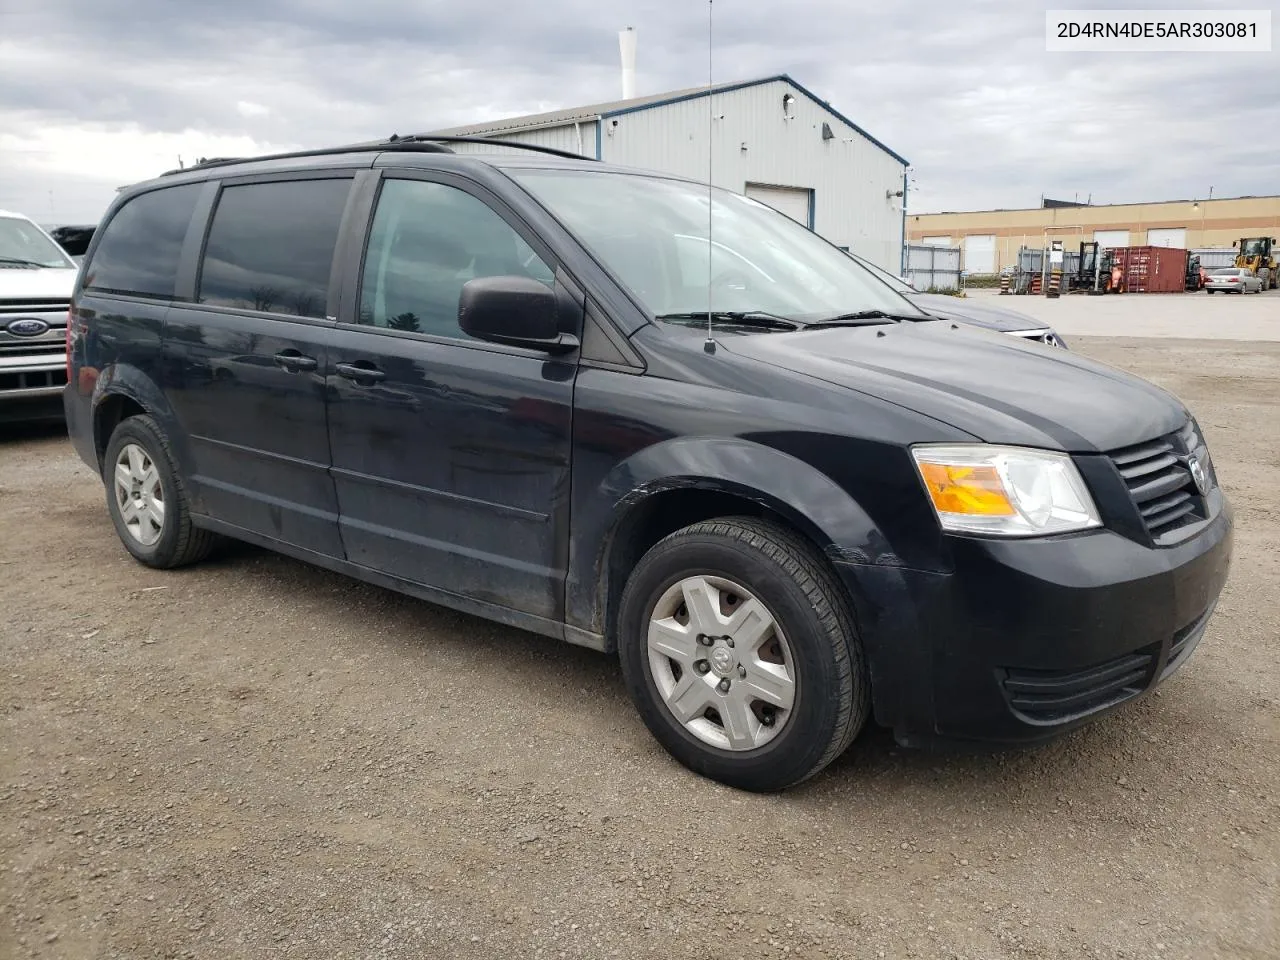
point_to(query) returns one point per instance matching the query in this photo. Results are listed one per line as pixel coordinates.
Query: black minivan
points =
(535, 389)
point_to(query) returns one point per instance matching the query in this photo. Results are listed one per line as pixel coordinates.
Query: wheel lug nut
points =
(742, 671)
(729, 641)
(704, 640)
(702, 666)
(723, 685)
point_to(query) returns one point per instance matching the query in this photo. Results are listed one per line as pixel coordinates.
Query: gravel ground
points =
(255, 758)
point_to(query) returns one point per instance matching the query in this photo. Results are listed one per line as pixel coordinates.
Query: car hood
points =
(43, 283)
(966, 311)
(997, 388)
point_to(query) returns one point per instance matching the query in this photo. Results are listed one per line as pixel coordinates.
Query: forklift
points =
(1195, 273)
(1093, 270)
(1258, 256)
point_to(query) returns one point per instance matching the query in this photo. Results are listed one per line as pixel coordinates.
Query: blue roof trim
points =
(780, 78)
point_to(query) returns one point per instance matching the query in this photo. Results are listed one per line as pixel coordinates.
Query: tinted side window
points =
(428, 239)
(141, 244)
(271, 246)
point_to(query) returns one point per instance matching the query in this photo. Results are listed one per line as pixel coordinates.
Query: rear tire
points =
(146, 498)
(759, 582)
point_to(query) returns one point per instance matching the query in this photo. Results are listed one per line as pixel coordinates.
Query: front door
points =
(450, 455)
(245, 363)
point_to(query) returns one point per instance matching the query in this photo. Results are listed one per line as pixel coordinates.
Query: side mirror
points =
(516, 311)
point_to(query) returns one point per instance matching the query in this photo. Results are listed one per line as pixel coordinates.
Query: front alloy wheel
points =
(721, 664)
(739, 650)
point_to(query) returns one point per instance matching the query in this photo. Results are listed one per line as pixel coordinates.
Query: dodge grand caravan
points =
(532, 388)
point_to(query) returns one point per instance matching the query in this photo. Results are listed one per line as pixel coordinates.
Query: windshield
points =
(652, 233)
(1227, 272)
(23, 243)
(1252, 248)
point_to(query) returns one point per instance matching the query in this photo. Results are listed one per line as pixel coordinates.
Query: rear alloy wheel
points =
(739, 650)
(147, 500)
(139, 495)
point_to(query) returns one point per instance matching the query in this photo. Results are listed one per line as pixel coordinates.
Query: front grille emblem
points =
(27, 327)
(1198, 475)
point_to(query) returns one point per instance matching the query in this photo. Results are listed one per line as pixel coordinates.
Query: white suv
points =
(36, 279)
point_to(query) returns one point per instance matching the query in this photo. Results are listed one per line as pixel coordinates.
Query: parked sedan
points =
(1233, 280)
(958, 310)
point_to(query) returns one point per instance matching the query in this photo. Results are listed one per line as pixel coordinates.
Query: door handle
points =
(293, 361)
(359, 373)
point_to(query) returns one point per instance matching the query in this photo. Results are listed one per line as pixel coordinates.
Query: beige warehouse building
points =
(991, 238)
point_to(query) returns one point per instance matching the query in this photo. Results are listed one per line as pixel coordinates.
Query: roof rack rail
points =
(376, 147)
(487, 141)
(412, 143)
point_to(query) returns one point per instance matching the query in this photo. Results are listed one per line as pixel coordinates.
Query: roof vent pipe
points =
(627, 44)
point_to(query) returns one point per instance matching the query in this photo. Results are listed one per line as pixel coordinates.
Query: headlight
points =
(1004, 491)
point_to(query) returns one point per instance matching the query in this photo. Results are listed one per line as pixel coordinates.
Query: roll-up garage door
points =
(1111, 238)
(980, 253)
(1175, 237)
(793, 201)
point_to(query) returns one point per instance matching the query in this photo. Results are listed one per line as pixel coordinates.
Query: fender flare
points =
(802, 495)
(125, 380)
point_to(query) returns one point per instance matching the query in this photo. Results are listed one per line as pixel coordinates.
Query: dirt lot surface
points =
(255, 758)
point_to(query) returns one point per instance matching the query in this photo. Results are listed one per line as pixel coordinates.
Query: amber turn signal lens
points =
(973, 490)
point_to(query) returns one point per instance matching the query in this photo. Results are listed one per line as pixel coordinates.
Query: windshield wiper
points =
(860, 318)
(743, 318)
(22, 262)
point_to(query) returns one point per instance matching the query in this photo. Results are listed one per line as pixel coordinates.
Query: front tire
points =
(146, 498)
(739, 650)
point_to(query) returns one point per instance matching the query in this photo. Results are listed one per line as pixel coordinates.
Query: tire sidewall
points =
(143, 432)
(793, 752)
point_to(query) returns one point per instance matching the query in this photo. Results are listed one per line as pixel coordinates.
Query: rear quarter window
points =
(142, 243)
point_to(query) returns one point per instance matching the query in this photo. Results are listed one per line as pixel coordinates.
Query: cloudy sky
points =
(98, 93)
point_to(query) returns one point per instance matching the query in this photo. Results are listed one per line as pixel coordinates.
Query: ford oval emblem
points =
(27, 327)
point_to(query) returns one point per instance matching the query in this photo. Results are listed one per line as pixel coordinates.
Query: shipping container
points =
(1150, 269)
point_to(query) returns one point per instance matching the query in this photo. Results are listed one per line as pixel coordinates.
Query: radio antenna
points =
(710, 344)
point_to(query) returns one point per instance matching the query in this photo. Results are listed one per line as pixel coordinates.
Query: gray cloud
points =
(966, 91)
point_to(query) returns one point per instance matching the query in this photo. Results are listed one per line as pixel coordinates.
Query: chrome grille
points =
(36, 305)
(33, 348)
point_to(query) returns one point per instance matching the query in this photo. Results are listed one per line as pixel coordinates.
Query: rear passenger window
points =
(271, 246)
(139, 250)
(428, 239)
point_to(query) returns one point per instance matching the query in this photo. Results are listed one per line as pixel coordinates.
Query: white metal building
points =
(772, 140)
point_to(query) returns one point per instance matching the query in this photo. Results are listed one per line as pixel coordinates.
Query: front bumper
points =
(1030, 638)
